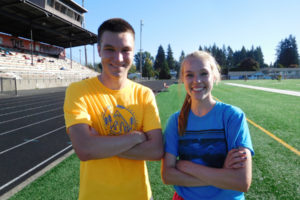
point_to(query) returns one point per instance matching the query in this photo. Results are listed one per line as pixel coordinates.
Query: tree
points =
(132, 69)
(248, 64)
(287, 52)
(259, 57)
(229, 60)
(243, 54)
(164, 72)
(145, 55)
(181, 57)
(147, 69)
(178, 65)
(160, 58)
(170, 58)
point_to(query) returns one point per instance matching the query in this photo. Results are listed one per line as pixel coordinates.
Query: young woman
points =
(207, 143)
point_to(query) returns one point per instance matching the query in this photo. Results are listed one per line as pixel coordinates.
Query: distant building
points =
(265, 73)
(66, 9)
(286, 73)
(237, 75)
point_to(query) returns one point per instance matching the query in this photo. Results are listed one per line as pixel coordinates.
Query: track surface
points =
(33, 134)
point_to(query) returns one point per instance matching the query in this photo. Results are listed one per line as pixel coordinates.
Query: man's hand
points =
(139, 136)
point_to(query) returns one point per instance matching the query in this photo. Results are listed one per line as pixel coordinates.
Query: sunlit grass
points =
(275, 168)
(284, 84)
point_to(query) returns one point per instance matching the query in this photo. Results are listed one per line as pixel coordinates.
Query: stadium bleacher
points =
(16, 64)
(32, 43)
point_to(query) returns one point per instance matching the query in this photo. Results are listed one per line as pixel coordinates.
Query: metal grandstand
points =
(30, 19)
(54, 22)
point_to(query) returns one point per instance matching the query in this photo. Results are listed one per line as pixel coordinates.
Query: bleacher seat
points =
(20, 64)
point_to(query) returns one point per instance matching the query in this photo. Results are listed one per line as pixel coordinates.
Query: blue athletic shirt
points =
(206, 141)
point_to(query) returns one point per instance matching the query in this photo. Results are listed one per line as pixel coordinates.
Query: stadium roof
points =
(17, 17)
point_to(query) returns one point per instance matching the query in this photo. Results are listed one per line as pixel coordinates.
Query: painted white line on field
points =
(28, 116)
(29, 109)
(6, 132)
(30, 170)
(33, 139)
(288, 92)
(23, 105)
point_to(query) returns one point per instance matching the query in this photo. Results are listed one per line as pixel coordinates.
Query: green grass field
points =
(275, 168)
(285, 84)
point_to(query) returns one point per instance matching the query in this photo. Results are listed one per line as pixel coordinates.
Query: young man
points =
(113, 123)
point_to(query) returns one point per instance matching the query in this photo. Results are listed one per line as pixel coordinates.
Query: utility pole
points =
(141, 71)
(80, 56)
(85, 53)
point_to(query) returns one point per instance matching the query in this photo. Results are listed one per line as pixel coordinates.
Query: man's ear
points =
(99, 50)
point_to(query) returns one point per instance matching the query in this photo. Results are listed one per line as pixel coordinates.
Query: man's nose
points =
(118, 57)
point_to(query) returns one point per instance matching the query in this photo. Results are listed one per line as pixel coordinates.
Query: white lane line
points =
(288, 92)
(6, 132)
(23, 105)
(34, 98)
(30, 170)
(27, 141)
(3, 122)
(29, 109)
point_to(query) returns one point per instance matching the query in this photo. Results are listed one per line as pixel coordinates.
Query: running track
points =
(33, 134)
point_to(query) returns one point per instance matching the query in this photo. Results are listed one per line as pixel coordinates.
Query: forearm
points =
(151, 149)
(172, 176)
(143, 151)
(89, 145)
(234, 179)
(105, 146)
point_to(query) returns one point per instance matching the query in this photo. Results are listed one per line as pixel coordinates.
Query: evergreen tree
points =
(287, 53)
(160, 59)
(229, 63)
(164, 72)
(259, 57)
(220, 57)
(243, 54)
(182, 56)
(170, 58)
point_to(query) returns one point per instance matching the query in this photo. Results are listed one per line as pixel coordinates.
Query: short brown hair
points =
(116, 25)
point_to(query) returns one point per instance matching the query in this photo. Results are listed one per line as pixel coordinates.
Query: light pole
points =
(80, 56)
(85, 53)
(141, 71)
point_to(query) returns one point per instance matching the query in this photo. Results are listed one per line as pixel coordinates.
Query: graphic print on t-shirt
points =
(207, 147)
(118, 120)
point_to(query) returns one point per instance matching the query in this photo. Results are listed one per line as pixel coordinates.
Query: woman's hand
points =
(235, 159)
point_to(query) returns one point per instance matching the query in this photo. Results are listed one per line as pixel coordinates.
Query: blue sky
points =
(187, 24)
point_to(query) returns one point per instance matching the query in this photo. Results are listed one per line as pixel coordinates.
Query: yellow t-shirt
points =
(112, 112)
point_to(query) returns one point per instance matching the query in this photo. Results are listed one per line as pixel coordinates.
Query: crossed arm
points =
(88, 145)
(236, 173)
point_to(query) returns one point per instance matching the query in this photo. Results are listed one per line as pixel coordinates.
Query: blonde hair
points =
(185, 109)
